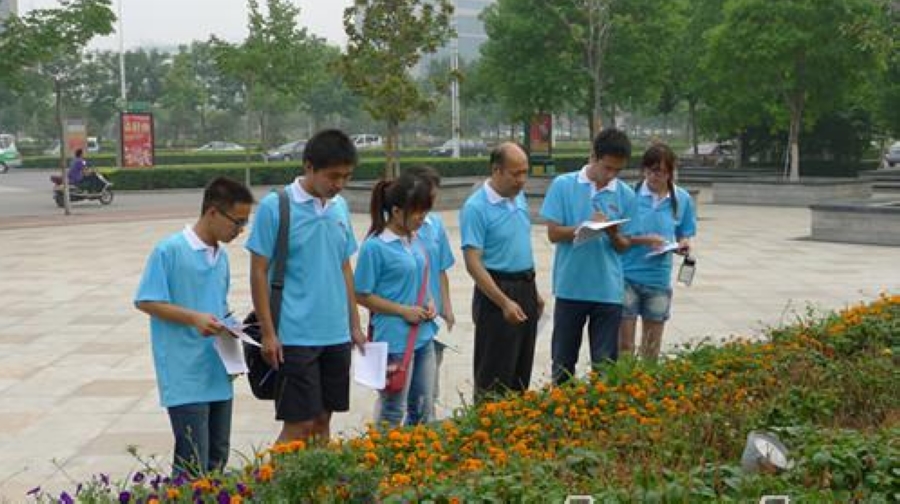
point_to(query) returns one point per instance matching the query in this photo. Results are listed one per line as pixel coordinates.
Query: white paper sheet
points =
(232, 354)
(592, 229)
(370, 370)
(238, 333)
(668, 247)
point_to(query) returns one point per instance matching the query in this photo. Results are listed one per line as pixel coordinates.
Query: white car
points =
(220, 146)
(367, 141)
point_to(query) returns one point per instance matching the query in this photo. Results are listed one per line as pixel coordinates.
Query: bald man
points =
(496, 243)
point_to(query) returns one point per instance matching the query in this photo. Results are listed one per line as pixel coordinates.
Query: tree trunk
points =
(692, 126)
(796, 108)
(738, 151)
(67, 204)
(392, 166)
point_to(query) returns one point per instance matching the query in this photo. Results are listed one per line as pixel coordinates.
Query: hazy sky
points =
(173, 22)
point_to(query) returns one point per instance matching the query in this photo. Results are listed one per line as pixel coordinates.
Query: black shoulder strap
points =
(279, 262)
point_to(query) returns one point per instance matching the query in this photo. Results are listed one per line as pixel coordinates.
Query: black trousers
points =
(504, 353)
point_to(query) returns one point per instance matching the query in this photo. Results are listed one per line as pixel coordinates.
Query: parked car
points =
(892, 157)
(717, 154)
(9, 155)
(367, 141)
(220, 146)
(286, 152)
(91, 145)
(467, 147)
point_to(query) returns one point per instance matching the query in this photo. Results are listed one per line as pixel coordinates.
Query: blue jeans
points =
(416, 401)
(569, 317)
(202, 436)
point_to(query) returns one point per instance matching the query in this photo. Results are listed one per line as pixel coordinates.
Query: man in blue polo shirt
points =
(319, 319)
(587, 278)
(496, 242)
(184, 289)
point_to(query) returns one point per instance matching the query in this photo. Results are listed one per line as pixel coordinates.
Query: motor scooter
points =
(92, 187)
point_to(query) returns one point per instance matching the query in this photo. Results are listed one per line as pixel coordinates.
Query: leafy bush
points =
(631, 431)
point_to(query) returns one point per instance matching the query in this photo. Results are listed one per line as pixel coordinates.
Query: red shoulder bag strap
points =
(414, 329)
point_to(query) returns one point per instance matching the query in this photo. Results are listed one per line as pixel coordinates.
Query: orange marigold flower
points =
(236, 499)
(266, 472)
(370, 458)
(173, 493)
(202, 484)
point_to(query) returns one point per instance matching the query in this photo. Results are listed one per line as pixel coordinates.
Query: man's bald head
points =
(509, 169)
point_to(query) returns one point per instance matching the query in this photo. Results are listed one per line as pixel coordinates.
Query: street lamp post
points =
(123, 90)
(454, 86)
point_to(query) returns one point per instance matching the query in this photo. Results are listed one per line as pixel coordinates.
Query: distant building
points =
(469, 29)
(7, 8)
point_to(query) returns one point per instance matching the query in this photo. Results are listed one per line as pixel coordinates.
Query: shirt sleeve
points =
(265, 228)
(630, 204)
(445, 253)
(154, 284)
(687, 226)
(552, 208)
(365, 277)
(352, 245)
(472, 227)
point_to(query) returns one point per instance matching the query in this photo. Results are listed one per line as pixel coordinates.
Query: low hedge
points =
(191, 176)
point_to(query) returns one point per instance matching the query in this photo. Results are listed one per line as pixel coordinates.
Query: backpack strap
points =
(279, 262)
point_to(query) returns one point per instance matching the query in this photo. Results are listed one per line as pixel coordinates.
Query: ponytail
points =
(377, 210)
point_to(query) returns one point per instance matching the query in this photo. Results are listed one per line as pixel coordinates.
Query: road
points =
(26, 201)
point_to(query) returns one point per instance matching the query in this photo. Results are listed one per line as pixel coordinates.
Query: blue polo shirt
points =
(393, 268)
(499, 227)
(314, 302)
(433, 235)
(591, 271)
(188, 368)
(654, 216)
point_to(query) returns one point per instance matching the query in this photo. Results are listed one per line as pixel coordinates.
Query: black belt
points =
(514, 276)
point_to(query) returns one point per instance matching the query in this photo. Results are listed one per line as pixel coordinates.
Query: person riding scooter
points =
(80, 175)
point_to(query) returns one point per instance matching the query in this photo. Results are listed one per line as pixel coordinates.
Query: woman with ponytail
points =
(665, 216)
(391, 280)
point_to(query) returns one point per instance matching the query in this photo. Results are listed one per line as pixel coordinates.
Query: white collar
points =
(494, 198)
(584, 179)
(300, 195)
(389, 236)
(645, 191)
(212, 253)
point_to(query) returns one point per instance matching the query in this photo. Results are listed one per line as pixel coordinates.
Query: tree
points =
(386, 40)
(44, 36)
(528, 62)
(329, 95)
(276, 63)
(793, 57)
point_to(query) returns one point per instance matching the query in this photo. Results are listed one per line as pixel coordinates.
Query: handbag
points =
(396, 377)
(260, 374)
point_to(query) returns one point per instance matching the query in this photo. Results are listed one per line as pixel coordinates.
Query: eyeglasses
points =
(655, 169)
(239, 223)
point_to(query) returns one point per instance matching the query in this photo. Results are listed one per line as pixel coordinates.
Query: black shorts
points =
(311, 381)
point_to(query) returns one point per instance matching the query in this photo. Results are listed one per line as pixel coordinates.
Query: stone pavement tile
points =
(114, 388)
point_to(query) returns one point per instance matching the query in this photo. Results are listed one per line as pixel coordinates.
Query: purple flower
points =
(138, 477)
(104, 478)
(65, 498)
(223, 497)
(241, 488)
(155, 482)
(124, 497)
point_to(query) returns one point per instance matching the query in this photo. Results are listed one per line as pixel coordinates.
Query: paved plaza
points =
(76, 379)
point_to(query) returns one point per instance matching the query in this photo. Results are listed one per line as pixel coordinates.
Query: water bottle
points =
(687, 269)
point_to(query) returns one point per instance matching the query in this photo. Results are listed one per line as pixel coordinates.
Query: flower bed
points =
(631, 432)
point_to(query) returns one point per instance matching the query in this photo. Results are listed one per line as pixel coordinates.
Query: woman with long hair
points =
(665, 223)
(391, 280)
(434, 235)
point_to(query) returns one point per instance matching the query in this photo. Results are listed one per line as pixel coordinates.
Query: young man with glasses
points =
(184, 289)
(587, 277)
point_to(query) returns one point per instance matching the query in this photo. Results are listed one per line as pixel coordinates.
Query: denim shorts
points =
(650, 303)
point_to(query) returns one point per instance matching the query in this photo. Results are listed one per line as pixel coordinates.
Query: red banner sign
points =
(137, 140)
